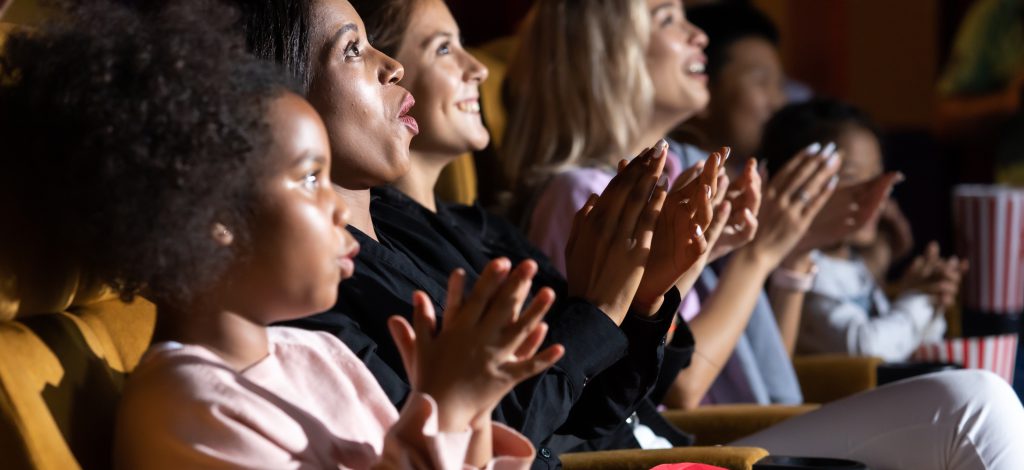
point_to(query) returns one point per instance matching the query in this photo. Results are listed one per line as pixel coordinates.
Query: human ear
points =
(222, 235)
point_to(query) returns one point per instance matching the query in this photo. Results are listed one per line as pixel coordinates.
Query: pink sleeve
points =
(556, 207)
(512, 451)
(415, 442)
(163, 429)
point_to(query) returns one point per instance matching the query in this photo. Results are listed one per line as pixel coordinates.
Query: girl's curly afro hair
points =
(125, 137)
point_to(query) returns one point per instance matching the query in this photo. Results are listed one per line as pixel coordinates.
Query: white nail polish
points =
(813, 148)
(661, 145)
(832, 182)
(833, 160)
(829, 149)
(698, 232)
(707, 189)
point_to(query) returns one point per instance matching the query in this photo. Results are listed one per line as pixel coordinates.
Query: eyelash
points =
(352, 49)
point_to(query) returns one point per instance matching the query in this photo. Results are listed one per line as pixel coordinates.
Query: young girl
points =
(846, 310)
(191, 174)
(611, 333)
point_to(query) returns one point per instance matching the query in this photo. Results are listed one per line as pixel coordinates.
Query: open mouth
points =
(471, 106)
(695, 68)
(403, 115)
(347, 263)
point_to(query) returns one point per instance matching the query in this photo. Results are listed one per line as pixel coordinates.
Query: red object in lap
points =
(686, 466)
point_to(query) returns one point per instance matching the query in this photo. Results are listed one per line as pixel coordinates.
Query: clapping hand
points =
(932, 275)
(744, 195)
(679, 238)
(792, 200)
(487, 344)
(847, 211)
(611, 236)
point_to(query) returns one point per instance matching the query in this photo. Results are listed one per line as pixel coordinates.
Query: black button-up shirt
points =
(607, 369)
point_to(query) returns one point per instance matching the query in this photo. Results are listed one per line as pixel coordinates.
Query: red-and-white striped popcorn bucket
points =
(997, 354)
(990, 234)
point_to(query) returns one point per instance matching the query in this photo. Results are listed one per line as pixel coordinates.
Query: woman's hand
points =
(792, 199)
(679, 238)
(847, 211)
(745, 197)
(487, 344)
(611, 236)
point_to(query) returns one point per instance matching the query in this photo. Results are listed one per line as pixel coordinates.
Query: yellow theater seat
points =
(732, 458)
(61, 375)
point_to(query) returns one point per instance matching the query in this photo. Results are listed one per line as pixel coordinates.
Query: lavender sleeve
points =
(556, 207)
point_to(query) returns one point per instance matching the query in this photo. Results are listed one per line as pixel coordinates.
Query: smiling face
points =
(355, 89)
(299, 249)
(675, 62)
(746, 92)
(445, 80)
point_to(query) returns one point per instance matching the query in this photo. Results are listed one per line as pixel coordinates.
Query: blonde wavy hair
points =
(578, 87)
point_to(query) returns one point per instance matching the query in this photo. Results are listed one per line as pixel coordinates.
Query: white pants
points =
(949, 420)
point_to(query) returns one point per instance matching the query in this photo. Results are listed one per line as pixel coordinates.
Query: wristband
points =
(795, 281)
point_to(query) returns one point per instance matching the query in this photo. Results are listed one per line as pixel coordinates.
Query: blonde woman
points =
(576, 112)
(594, 80)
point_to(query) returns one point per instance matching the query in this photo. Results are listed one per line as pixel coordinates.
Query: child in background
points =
(846, 309)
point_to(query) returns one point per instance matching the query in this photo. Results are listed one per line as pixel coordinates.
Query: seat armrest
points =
(732, 458)
(829, 377)
(722, 424)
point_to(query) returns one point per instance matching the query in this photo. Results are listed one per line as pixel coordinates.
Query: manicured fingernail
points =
(832, 182)
(900, 177)
(707, 189)
(726, 151)
(660, 146)
(749, 212)
(833, 160)
(813, 148)
(663, 181)
(697, 232)
(829, 149)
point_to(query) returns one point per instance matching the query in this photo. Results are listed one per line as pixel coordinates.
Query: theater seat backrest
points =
(66, 345)
(61, 376)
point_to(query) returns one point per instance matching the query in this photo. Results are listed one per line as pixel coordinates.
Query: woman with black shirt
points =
(614, 312)
(445, 79)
